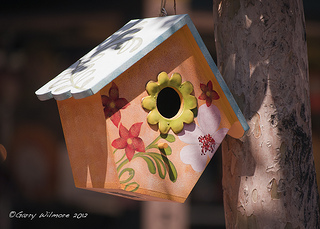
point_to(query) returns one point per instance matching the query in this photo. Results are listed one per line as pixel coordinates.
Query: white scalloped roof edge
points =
(112, 57)
(120, 51)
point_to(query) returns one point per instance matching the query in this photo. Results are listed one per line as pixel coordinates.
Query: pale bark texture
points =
(269, 178)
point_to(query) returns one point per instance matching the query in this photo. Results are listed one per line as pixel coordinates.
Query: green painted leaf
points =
(173, 175)
(166, 151)
(168, 137)
(151, 166)
(122, 164)
(155, 146)
(162, 171)
(120, 158)
(161, 168)
(130, 184)
(131, 175)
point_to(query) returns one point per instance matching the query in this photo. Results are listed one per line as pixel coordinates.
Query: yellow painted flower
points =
(170, 102)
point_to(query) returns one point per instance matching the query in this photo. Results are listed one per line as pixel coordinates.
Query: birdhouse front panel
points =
(147, 129)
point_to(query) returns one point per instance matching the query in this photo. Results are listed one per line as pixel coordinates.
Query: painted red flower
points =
(129, 140)
(208, 94)
(112, 104)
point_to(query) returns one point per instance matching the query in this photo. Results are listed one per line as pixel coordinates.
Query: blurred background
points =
(38, 40)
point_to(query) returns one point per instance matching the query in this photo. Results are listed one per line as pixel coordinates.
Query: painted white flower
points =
(204, 139)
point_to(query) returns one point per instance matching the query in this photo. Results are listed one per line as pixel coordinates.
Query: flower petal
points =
(177, 125)
(219, 135)
(209, 85)
(135, 129)
(186, 88)
(214, 95)
(186, 117)
(129, 152)
(176, 79)
(164, 126)
(108, 112)
(209, 118)
(105, 100)
(148, 103)
(208, 101)
(123, 132)
(114, 91)
(190, 102)
(163, 78)
(138, 144)
(190, 133)
(119, 143)
(152, 88)
(191, 155)
(153, 117)
(121, 103)
(203, 96)
(115, 118)
(203, 87)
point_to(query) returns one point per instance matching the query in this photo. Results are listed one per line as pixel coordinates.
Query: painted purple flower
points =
(112, 104)
(204, 139)
(208, 94)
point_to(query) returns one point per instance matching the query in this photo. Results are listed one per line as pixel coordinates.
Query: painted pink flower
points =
(204, 139)
(208, 94)
(112, 104)
(129, 140)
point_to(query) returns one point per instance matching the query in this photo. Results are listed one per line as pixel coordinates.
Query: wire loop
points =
(163, 11)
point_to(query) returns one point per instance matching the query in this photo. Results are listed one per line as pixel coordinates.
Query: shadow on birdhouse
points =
(144, 112)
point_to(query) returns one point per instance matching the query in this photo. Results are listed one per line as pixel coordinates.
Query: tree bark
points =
(269, 178)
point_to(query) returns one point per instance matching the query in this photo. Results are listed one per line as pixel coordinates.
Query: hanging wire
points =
(163, 11)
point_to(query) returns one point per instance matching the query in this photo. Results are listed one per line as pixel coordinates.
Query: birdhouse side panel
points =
(84, 129)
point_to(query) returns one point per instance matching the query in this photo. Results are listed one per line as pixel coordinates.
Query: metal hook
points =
(163, 11)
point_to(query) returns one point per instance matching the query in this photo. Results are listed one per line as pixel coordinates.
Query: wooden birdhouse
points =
(144, 111)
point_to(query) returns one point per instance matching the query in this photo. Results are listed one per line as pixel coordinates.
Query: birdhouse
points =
(144, 112)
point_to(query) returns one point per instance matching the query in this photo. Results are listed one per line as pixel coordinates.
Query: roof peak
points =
(112, 57)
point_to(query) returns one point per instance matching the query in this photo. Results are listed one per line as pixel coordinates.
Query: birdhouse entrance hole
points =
(168, 102)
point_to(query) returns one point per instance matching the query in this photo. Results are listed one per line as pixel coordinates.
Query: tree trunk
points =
(269, 178)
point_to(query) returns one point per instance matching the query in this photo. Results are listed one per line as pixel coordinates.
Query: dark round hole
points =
(168, 102)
